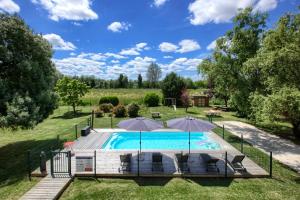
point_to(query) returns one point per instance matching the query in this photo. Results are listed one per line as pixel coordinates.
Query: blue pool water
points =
(160, 140)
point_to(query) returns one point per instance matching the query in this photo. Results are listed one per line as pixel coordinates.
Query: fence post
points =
(93, 113)
(95, 164)
(88, 121)
(271, 165)
(223, 131)
(225, 164)
(29, 164)
(76, 131)
(242, 143)
(51, 163)
(69, 163)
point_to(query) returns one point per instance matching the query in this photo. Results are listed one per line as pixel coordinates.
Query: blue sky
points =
(107, 37)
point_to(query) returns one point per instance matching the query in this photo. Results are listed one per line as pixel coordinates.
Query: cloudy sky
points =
(107, 37)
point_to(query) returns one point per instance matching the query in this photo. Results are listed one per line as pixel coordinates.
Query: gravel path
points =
(284, 150)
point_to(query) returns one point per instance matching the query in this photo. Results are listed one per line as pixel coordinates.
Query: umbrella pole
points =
(140, 141)
(189, 142)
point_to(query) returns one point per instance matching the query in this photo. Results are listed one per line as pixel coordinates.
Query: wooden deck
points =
(108, 161)
(47, 189)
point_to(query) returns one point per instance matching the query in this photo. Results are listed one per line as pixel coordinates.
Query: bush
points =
(151, 100)
(110, 99)
(106, 107)
(120, 111)
(133, 110)
(98, 113)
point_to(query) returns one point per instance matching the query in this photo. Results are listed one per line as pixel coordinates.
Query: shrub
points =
(133, 110)
(151, 100)
(120, 111)
(110, 99)
(106, 107)
(98, 113)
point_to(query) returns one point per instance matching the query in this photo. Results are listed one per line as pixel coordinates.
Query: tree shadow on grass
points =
(70, 115)
(14, 162)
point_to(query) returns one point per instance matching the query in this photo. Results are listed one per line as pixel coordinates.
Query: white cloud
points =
(218, 11)
(129, 52)
(212, 45)
(181, 65)
(159, 3)
(9, 6)
(118, 26)
(80, 66)
(167, 47)
(72, 54)
(265, 5)
(114, 55)
(188, 46)
(58, 43)
(168, 57)
(135, 51)
(183, 46)
(115, 61)
(68, 9)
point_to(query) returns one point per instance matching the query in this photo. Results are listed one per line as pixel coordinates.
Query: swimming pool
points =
(160, 140)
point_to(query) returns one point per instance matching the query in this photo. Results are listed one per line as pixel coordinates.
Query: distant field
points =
(126, 96)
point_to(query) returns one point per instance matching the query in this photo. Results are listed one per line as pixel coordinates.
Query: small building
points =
(200, 100)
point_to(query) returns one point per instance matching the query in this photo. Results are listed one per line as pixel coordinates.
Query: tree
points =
(185, 99)
(27, 75)
(227, 70)
(153, 74)
(277, 64)
(283, 103)
(70, 91)
(172, 87)
(140, 81)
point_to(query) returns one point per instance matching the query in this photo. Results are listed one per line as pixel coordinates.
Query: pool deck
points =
(108, 161)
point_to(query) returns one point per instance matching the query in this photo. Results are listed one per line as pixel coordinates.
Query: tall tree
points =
(27, 74)
(228, 73)
(140, 81)
(70, 91)
(172, 87)
(277, 64)
(153, 74)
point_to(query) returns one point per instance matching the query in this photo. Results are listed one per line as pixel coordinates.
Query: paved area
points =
(283, 150)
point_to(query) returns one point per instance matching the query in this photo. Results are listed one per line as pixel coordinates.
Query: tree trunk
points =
(296, 129)
(226, 101)
(74, 108)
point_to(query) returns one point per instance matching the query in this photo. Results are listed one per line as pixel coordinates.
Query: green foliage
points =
(153, 75)
(98, 113)
(231, 81)
(133, 110)
(70, 91)
(27, 75)
(140, 81)
(120, 111)
(109, 99)
(151, 99)
(172, 87)
(283, 103)
(122, 81)
(106, 107)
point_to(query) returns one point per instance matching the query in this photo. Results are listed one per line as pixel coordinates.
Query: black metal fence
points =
(263, 159)
(35, 156)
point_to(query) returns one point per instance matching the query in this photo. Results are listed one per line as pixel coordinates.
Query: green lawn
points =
(14, 145)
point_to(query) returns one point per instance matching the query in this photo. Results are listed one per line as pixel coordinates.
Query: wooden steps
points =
(48, 188)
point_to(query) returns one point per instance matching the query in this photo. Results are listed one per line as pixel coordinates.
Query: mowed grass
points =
(14, 145)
